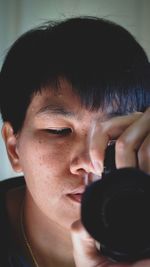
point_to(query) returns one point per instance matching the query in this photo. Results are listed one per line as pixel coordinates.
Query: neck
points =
(50, 243)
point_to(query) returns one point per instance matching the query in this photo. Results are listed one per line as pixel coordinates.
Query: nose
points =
(81, 164)
(83, 161)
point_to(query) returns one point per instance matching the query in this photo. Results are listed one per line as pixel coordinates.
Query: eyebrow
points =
(115, 114)
(59, 109)
(55, 109)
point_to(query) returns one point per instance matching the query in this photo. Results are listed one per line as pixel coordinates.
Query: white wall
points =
(17, 16)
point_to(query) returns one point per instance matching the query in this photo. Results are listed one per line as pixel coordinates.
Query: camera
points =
(115, 210)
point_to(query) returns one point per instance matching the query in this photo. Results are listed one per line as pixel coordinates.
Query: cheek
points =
(41, 155)
(45, 168)
(48, 178)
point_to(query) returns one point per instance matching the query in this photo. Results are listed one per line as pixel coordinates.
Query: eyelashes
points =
(59, 132)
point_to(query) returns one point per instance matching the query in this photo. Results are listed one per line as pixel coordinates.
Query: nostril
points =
(79, 172)
(83, 165)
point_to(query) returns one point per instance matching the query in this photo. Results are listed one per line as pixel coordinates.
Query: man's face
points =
(53, 149)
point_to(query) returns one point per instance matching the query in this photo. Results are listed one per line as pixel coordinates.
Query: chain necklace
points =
(25, 238)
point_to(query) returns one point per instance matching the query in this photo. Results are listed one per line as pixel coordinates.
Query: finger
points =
(131, 141)
(86, 254)
(105, 131)
(85, 251)
(115, 127)
(84, 248)
(144, 155)
(141, 263)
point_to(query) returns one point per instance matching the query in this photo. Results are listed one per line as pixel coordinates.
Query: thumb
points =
(84, 248)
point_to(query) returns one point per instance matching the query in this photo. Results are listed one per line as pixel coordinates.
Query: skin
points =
(58, 165)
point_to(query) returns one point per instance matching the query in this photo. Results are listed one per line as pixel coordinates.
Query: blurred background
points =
(18, 16)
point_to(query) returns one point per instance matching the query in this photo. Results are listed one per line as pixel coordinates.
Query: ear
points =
(10, 140)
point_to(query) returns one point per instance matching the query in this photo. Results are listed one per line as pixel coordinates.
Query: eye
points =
(60, 132)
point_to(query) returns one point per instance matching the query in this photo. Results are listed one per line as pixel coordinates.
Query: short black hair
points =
(101, 60)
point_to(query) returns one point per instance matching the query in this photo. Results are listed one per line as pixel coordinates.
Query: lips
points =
(76, 197)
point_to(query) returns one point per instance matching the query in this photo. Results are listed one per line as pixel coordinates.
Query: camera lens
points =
(116, 212)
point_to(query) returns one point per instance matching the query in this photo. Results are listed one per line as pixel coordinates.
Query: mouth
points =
(76, 194)
(76, 197)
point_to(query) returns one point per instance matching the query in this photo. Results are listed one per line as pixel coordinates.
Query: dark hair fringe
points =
(102, 61)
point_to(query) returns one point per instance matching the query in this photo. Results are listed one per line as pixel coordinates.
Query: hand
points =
(86, 253)
(132, 133)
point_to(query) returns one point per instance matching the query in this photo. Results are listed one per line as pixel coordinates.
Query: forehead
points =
(63, 101)
(56, 100)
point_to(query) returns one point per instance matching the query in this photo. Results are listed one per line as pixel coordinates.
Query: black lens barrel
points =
(116, 212)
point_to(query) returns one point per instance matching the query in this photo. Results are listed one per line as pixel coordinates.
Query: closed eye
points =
(60, 132)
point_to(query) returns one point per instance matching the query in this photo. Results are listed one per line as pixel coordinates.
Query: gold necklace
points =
(25, 237)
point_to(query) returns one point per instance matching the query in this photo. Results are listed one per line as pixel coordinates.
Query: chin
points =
(69, 220)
